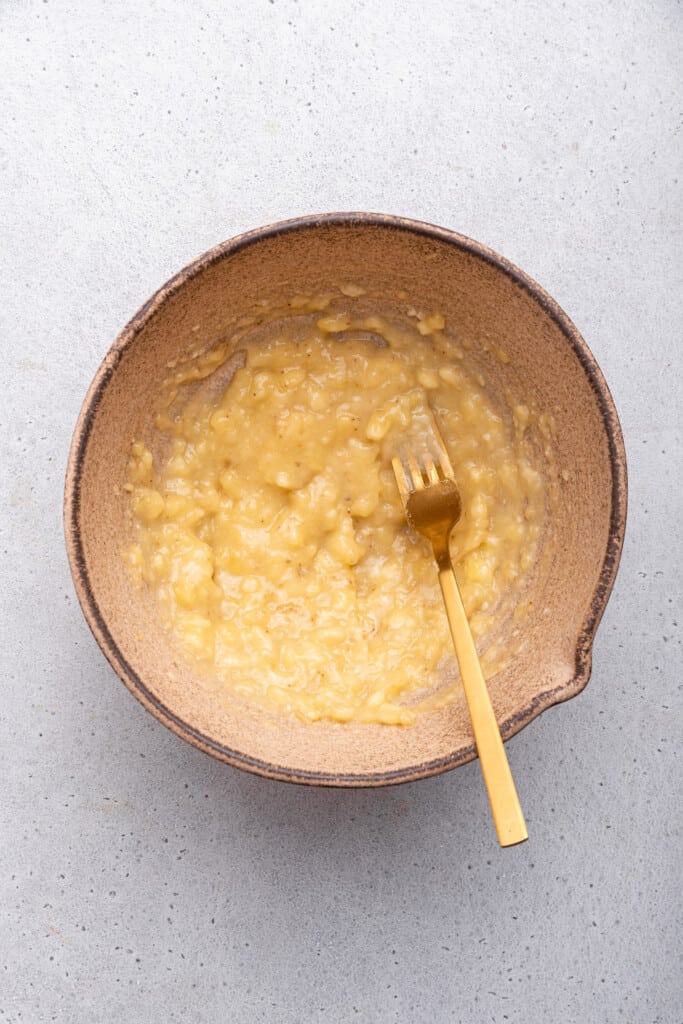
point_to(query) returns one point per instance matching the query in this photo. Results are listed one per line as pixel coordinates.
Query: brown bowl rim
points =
(78, 453)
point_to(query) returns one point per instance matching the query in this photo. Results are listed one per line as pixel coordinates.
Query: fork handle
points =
(505, 807)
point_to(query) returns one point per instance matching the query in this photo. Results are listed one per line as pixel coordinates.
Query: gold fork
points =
(432, 505)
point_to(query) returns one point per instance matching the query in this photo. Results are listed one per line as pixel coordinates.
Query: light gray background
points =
(139, 880)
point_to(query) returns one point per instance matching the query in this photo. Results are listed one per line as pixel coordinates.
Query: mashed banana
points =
(269, 526)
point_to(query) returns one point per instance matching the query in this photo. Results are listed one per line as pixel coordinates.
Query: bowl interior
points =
(486, 303)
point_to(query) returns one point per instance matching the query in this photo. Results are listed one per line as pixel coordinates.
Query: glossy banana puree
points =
(269, 525)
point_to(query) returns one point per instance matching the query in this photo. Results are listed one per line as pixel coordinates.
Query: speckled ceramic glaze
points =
(483, 297)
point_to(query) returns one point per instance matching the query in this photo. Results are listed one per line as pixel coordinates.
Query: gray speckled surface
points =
(141, 881)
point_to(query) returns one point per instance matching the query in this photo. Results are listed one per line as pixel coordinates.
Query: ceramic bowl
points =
(484, 298)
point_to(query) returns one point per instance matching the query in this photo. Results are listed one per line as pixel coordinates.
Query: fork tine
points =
(415, 471)
(432, 472)
(443, 457)
(401, 479)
